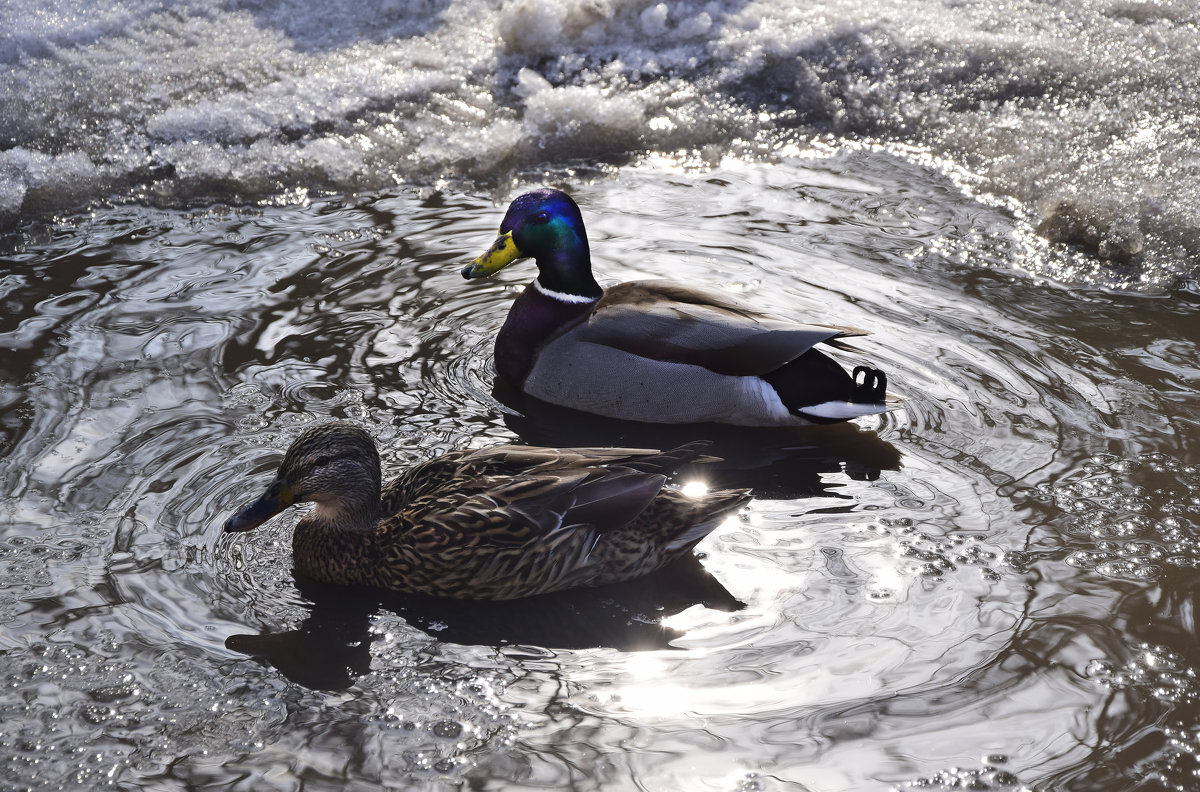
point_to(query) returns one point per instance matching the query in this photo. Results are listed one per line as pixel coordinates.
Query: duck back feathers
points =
(496, 523)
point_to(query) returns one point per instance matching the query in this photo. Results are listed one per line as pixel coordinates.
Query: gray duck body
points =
(658, 351)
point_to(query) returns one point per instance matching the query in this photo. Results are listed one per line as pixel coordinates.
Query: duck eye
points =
(541, 217)
(322, 460)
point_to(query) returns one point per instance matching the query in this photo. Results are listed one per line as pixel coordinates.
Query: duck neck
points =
(567, 269)
(334, 542)
(348, 515)
(539, 314)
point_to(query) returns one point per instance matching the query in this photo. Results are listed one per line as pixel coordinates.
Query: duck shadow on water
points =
(333, 644)
(776, 462)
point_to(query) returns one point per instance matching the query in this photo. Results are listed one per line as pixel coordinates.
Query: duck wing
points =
(514, 521)
(513, 495)
(469, 468)
(672, 322)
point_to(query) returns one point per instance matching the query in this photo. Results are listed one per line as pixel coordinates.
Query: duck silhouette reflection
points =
(332, 645)
(775, 462)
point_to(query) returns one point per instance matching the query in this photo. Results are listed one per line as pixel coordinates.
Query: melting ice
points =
(1083, 111)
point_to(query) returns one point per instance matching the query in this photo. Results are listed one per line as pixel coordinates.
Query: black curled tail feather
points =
(872, 388)
(814, 378)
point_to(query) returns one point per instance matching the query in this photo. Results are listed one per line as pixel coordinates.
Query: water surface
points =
(993, 584)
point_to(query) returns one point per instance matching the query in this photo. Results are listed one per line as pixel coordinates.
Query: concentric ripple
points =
(966, 591)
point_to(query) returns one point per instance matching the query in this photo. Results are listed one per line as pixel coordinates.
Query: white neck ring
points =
(563, 296)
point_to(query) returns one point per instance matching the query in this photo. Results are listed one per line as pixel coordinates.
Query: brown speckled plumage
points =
(495, 523)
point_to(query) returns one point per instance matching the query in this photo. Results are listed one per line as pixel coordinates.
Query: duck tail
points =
(817, 389)
(712, 509)
(667, 462)
(872, 388)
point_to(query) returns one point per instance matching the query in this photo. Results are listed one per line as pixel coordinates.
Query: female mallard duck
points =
(496, 523)
(657, 351)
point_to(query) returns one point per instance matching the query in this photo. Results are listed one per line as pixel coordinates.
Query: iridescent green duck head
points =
(334, 465)
(544, 225)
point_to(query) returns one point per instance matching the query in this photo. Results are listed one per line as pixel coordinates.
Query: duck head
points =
(334, 465)
(544, 225)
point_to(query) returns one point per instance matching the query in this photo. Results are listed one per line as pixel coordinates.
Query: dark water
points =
(992, 586)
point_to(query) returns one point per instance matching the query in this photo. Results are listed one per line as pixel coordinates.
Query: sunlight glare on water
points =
(949, 593)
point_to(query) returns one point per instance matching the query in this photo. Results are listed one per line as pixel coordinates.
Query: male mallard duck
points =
(496, 523)
(657, 351)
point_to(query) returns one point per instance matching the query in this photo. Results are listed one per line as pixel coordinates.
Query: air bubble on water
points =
(751, 782)
(956, 778)
(448, 729)
(1154, 672)
(1126, 518)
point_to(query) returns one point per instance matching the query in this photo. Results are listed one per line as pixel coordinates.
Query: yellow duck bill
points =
(504, 251)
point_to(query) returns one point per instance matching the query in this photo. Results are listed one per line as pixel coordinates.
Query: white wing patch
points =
(841, 410)
(563, 296)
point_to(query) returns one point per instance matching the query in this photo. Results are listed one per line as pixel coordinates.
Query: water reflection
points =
(777, 462)
(332, 645)
(1001, 569)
